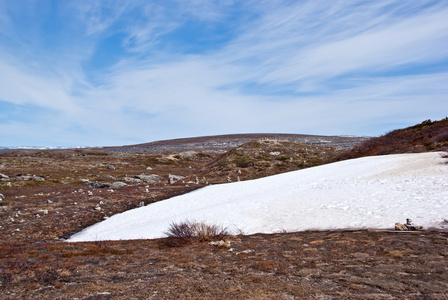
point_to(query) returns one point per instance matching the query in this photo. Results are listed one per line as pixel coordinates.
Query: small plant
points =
(189, 232)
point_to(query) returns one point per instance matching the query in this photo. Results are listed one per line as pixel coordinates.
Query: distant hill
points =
(426, 136)
(223, 143)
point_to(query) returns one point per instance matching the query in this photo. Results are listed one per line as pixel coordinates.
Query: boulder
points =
(38, 178)
(131, 179)
(410, 225)
(413, 227)
(153, 178)
(29, 177)
(400, 227)
(174, 178)
(97, 184)
(4, 177)
(24, 177)
(2, 197)
(117, 185)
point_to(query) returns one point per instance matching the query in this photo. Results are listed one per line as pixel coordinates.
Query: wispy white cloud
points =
(99, 15)
(305, 67)
(312, 43)
(21, 87)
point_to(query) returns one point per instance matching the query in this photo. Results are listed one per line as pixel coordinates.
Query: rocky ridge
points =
(223, 143)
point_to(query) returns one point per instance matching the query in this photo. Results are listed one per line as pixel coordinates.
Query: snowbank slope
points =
(369, 192)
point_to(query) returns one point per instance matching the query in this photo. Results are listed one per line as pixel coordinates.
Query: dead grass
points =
(275, 267)
(189, 232)
(427, 136)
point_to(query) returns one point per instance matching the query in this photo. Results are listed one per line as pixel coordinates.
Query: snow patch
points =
(369, 192)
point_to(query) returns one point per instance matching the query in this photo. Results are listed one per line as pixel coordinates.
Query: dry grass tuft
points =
(188, 232)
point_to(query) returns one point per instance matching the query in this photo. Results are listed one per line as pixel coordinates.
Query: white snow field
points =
(371, 192)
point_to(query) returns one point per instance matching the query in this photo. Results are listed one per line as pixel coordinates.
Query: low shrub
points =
(187, 232)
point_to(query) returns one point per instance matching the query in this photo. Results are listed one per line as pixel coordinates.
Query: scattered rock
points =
(174, 178)
(38, 178)
(409, 226)
(220, 244)
(117, 185)
(246, 251)
(97, 184)
(153, 178)
(131, 179)
(23, 177)
(400, 227)
(26, 177)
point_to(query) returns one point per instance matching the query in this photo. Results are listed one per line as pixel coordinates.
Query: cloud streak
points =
(205, 68)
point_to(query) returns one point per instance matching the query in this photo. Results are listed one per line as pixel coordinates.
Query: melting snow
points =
(370, 192)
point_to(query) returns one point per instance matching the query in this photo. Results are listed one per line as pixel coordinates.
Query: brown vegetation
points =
(264, 158)
(427, 136)
(188, 232)
(35, 215)
(305, 265)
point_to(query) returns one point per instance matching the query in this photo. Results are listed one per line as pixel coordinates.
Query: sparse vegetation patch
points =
(426, 136)
(187, 232)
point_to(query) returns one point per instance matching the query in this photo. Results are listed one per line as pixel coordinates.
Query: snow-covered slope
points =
(370, 192)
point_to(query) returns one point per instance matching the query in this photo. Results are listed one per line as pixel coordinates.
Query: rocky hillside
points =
(426, 136)
(223, 143)
(265, 157)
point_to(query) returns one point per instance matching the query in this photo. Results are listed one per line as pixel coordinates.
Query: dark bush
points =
(188, 232)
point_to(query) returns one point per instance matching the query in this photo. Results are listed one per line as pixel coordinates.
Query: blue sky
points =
(86, 72)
